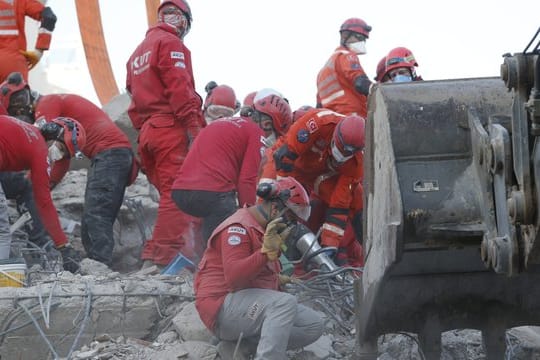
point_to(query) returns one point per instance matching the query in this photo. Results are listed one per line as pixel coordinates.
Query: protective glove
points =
(32, 57)
(276, 232)
(284, 279)
(70, 257)
(284, 159)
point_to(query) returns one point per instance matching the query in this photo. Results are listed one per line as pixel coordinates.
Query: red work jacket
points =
(101, 132)
(22, 147)
(232, 261)
(160, 80)
(225, 156)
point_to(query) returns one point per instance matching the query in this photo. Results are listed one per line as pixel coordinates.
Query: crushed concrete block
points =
(167, 337)
(189, 350)
(189, 325)
(93, 267)
(320, 349)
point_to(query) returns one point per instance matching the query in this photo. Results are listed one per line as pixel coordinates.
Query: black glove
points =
(70, 258)
(284, 159)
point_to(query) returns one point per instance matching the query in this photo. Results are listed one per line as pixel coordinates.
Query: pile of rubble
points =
(127, 313)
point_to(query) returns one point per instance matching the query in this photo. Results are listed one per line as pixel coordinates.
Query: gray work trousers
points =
(274, 319)
(5, 235)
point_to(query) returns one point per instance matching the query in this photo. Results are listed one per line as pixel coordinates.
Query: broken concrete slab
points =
(189, 325)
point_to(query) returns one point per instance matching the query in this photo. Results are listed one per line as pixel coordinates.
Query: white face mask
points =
(358, 47)
(55, 153)
(337, 155)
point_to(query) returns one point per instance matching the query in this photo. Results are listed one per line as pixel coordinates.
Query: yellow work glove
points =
(276, 232)
(32, 57)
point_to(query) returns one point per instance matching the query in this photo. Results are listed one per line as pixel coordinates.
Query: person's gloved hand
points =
(276, 232)
(32, 57)
(70, 257)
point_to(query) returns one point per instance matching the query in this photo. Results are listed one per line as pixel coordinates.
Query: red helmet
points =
(72, 135)
(400, 57)
(381, 70)
(356, 25)
(13, 85)
(220, 102)
(301, 111)
(222, 95)
(348, 138)
(290, 192)
(278, 109)
(182, 26)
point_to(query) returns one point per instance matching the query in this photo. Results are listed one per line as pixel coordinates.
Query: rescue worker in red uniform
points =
(23, 147)
(400, 66)
(167, 111)
(112, 166)
(13, 51)
(220, 102)
(323, 151)
(224, 161)
(268, 167)
(237, 285)
(342, 84)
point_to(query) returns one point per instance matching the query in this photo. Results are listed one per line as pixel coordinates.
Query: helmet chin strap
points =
(266, 214)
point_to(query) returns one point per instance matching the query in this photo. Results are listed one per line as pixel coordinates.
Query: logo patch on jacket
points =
(177, 55)
(312, 126)
(180, 64)
(237, 230)
(234, 240)
(302, 136)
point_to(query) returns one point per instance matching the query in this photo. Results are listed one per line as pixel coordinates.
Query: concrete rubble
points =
(127, 313)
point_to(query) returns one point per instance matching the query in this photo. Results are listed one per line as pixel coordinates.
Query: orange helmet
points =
(348, 138)
(356, 25)
(400, 57)
(278, 109)
(182, 24)
(68, 131)
(289, 192)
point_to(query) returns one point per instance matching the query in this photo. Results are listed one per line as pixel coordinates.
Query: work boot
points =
(225, 350)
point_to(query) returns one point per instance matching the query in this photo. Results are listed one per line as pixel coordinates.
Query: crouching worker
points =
(237, 286)
(23, 147)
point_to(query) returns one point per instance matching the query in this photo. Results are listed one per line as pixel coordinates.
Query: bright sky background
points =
(282, 44)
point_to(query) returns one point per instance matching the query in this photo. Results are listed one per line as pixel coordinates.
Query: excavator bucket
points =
(429, 211)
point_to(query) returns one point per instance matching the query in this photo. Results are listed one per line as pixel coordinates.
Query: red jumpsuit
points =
(167, 110)
(335, 84)
(112, 169)
(309, 139)
(22, 147)
(231, 262)
(13, 37)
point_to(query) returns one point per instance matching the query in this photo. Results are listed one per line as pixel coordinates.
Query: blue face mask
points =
(402, 78)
